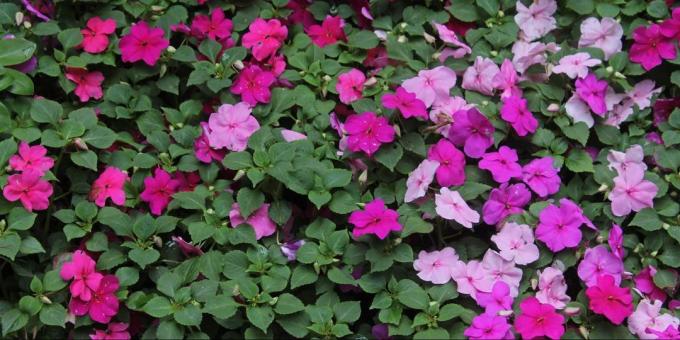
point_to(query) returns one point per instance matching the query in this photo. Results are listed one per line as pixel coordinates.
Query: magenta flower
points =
(253, 84)
(366, 132)
(502, 164)
(538, 320)
(96, 34)
(610, 300)
(536, 20)
(616, 241)
(109, 184)
(552, 288)
(88, 84)
(374, 219)
(671, 333)
(81, 269)
(231, 127)
(670, 28)
(576, 65)
(202, 149)
(541, 176)
(350, 85)
(650, 47)
(264, 37)
(599, 261)
(488, 326)
(406, 102)
(431, 85)
(498, 300)
(30, 189)
(158, 190)
(632, 192)
(504, 201)
(215, 26)
(104, 304)
(451, 170)
(31, 158)
(514, 111)
(187, 248)
(115, 331)
(479, 77)
(516, 243)
(644, 282)
(451, 206)
(143, 43)
(419, 180)
(506, 80)
(593, 91)
(559, 227)
(259, 220)
(604, 34)
(328, 33)
(436, 266)
(473, 131)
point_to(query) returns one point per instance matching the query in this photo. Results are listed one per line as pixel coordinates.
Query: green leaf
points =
(249, 200)
(342, 202)
(260, 316)
(127, 276)
(319, 198)
(582, 7)
(302, 275)
(10, 243)
(100, 137)
(210, 48)
(86, 159)
(347, 311)
(464, 10)
(238, 160)
(13, 320)
(31, 245)
(189, 315)
(8, 147)
(675, 78)
(389, 155)
(336, 178)
(491, 7)
(46, 111)
(432, 334)
(398, 51)
(158, 307)
(70, 37)
(657, 9)
(288, 304)
(168, 329)
(30, 305)
(15, 51)
(578, 132)
(144, 257)
(20, 219)
(53, 315)
(647, 219)
(411, 295)
(221, 306)
(168, 283)
(579, 161)
(363, 40)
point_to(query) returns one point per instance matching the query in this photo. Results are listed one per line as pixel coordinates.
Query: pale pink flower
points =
(526, 54)
(259, 220)
(648, 315)
(552, 288)
(448, 36)
(632, 192)
(430, 85)
(419, 180)
(231, 126)
(436, 266)
(615, 241)
(516, 243)
(633, 157)
(350, 86)
(642, 93)
(291, 136)
(497, 268)
(576, 65)
(604, 34)
(536, 20)
(451, 206)
(470, 278)
(479, 77)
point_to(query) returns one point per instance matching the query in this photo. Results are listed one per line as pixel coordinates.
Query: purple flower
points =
(290, 249)
(505, 201)
(473, 131)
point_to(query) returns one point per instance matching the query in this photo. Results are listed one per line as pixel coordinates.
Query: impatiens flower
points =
(671, 27)
(497, 268)
(289, 249)
(581, 112)
(526, 54)
(671, 333)
(431, 85)
(514, 111)
(406, 103)
(479, 77)
(143, 43)
(599, 261)
(291, 136)
(610, 300)
(604, 34)
(96, 34)
(88, 84)
(215, 26)
(559, 228)
(259, 220)
(442, 112)
(470, 278)
(473, 131)
(350, 85)
(30, 189)
(104, 304)
(576, 65)
(616, 241)
(451, 170)
(109, 184)
(538, 320)
(202, 149)
(328, 33)
(264, 37)
(158, 190)
(459, 50)
(502, 164)
(488, 326)
(506, 80)
(253, 84)
(642, 93)
(632, 192)
(650, 47)
(516, 243)
(374, 219)
(419, 180)
(81, 269)
(366, 132)
(536, 20)
(451, 206)
(541, 176)
(644, 282)
(647, 316)
(187, 248)
(231, 126)
(31, 158)
(632, 158)
(552, 288)
(436, 266)
(499, 299)
(593, 91)
(115, 331)
(505, 201)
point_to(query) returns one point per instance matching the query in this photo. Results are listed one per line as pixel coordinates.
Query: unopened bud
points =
(80, 144)
(171, 49)
(3, 224)
(602, 188)
(554, 107)
(501, 14)
(273, 301)
(600, 239)
(436, 55)
(363, 177)
(211, 188)
(171, 128)
(485, 102)
(317, 267)
(403, 25)
(236, 291)
(534, 283)
(328, 78)
(397, 241)
(397, 130)
(638, 248)
(238, 65)
(504, 313)
(584, 331)
(402, 39)
(609, 69)
(19, 18)
(382, 35)
(433, 303)
(370, 81)
(572, 311)
(157, 8)
(666, 226)
(155, 17)
(429, 38)
(27, 24)
(654, 253)
(209, 211)
(45, 300)
(619, 75)
(494, 53)
(239, 175)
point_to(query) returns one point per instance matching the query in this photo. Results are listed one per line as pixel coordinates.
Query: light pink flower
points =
(497, 300)
(459, 50)
(599, 261)
(632, 158)
(81, 269)
(479, 77)
(109, 184)
(451, 206)
(541, 176)
(451, 170)
(436, 266)
(516, 243)
(158, 190)
(502, 164)
(406, 102)
(615, 241)
(350, 85)
(366, 132)
(619, 113)
(552, 288)
(559, 227)
(506, 80)
(632, 192)
(431, 85)
(143, 43)
(31, 158)
(253, 84)
(538, 320)
(526, 54)
(604, 34)
(497, 268)
(104, 304)
(536, 20)
(375, 219)
(231, 126)
(96, 34)
(472, 130)
(115, 331)
(88, 84)
(650, 47)
(642, 93)
(291, 136)
(504, 201)
(488, 326)
(576, 65)
(328, 33)
(470, 278)
(264, 37)
(259, 220)
(514, 111)
(648, 315)
(30, 189)
(419, 180)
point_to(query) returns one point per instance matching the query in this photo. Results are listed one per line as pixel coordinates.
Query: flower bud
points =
(273, 301)
(609, 69)
(436, 55)
(317, 267)
(534, 283)
(363, 177)
(619, 75)
(666, 226)
(157, 8)
(382, 35)
(239, 175)
(584, 331)
(80, 144)
(158, 241)
(371, 81)
(397, 130)
(501, 14)
(402, 39)
(238, 65)
(654, 253)
(397, 241)
(45, 300)
(171, 49)
(403, 25)
(3, 224)
(19, 18)
(27, 24)
(328, 78)
(211, 188)
(433, 303)
(485, 102)
(572, 311)
(209, 211)
(494, 53)
(602, 188)
(554, 107)
(600, 239)
(429, 38)
(504, 313)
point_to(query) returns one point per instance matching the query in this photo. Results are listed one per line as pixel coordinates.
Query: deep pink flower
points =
(88, 84)
(488, 326)
(451, 170)
(650, 47)
(31, 158)
(506, 80)
(81, 269)
(431, 85)
(406, 102)
(366, 132)
(264, 37)
(552, 288)
(473, 131)
(436, 266)
(374, 219)
(253, 84)
(350, 85)
(559, 227)
(96, 34)
(143, 43)
(451, 206)
(109, 184)
(215, 26)
(599, 261)
(632, 192)
(419, 180)
(610, 300)
(259, 220)
(30, 189)
(300, 13)
(644, 282)
(480, 76)
(499, 299)
(516, 243)
(115, 331)
(541, 176)
(538, 320)
(328, 33)
(202, 149)
(505, 201)
(593, 91)
(502, 164)
(187, 248)
(670, 333)
(442, 112)
(104, 304)
(670, 28)
(158, 190)
(616, 241)
(231, 126)
(514, 111)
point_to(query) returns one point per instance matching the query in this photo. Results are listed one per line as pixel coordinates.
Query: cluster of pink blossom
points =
(631, 191)
(28, 186)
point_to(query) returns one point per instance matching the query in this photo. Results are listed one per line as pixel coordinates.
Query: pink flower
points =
(670, 332)
(436, 266)
(406, 102)
(498, 300)
(647, 316)
(291, 136)
(514, 111)
(538, 319)
(506, 80)
(576, 65)
(259, 220)
(632, 192)
(442, 112)
(431, 85)
(670, 28)
(604, 34)
(505, 201)
(289, 249)
(487, 326)
(644, 282)
(448, 36)
(264, 37)
(231, 126)
(158, 190)
(559, 228)
(616, 241)
(96, 34)
(30, 189)
(143, 43)
(470, 278)
(526, 54)
(497, 268)
(328, 33)
(537, 20)
(115, 331)
(366, 132)
(502, 164)
(451, 170)
(581, 112)
(592, 91)
(608, 299)
(187, 248)
(541, 176)
(472, 131)
(642, 93)
(88, 84)
(215, 26)
(599, 261)
(253, 84)
(350, 85)
(650, 47)
(632, 158)
(516, 243)
(451, 206)
(31, 158)
(552, 288)
(374, 219)
(81, 269)
(104, 303)
(419, 180)
(479, 77)
(202, 149)
(109, 184)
